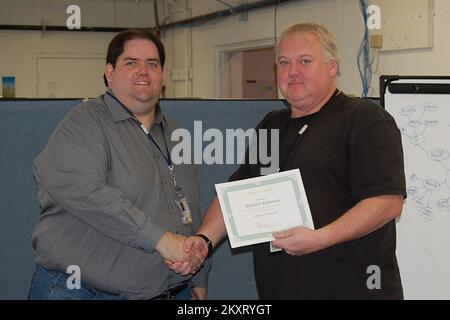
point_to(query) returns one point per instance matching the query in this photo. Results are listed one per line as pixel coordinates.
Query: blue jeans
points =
(51, 285)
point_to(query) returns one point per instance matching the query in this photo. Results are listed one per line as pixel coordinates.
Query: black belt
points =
(170, 294)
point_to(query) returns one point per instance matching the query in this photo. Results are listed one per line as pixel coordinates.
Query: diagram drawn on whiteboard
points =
(428, 192)
(421, 109)
(429, 195)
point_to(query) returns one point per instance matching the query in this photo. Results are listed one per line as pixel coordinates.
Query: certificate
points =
(254, 208)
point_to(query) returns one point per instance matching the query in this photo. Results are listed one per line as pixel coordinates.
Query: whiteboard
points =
(421, 108)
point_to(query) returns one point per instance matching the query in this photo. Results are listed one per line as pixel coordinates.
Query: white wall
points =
(236, 77)
(342, 17)
(19, 49)
(433, 61)
(98, 13)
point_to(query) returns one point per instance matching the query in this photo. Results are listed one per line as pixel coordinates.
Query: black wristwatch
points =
(208, 243)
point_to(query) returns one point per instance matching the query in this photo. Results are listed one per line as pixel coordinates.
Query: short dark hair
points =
(117, 44)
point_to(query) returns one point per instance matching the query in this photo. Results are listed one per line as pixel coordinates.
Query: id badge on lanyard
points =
(180, 199)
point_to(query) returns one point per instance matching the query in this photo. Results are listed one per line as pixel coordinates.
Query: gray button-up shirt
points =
(107, 198)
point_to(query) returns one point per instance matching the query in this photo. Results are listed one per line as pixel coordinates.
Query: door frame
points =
(221, 56)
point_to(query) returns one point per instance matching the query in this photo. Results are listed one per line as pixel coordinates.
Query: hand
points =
(198, 245)
(198, 293)
(171, 248)
(298, 241)
(194, 245)
(180, 267)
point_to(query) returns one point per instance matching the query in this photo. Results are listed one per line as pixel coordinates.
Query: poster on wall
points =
(9, 87)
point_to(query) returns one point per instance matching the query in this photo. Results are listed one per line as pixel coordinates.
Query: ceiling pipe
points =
(223, 13)
(57, 28)
(183, 23)
(155, 12)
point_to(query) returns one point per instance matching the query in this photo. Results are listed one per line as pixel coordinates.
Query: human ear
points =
(108, 72)
(334, 68)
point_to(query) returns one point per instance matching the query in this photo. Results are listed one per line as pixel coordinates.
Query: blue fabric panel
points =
(25, 127)
(231, 275)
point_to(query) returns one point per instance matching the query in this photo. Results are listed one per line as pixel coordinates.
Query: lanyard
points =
(180, 199)
(168, 158)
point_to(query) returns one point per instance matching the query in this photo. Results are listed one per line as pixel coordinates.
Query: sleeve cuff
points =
(148, 237)
(369, 193)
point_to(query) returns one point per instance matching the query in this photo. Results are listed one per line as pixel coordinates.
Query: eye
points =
(153, 64)
(305, 61)
(130, 63)
(283, 62)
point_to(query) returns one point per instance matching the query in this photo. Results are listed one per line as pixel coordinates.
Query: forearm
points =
(213, 225)
(365, 217)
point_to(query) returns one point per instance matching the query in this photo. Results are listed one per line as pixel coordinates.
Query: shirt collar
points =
(120, 112)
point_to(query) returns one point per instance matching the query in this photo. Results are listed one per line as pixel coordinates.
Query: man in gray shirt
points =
(113, 205)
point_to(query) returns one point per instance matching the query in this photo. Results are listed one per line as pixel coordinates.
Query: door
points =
(252, 74)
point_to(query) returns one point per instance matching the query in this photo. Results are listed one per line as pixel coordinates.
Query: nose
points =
(142, 69)
(294, 68)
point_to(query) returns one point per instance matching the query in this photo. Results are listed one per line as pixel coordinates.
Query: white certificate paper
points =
(254, 208)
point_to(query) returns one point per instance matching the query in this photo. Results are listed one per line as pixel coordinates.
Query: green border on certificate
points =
(293, 177)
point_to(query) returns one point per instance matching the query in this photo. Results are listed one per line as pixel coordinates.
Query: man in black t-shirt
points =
(351, 160)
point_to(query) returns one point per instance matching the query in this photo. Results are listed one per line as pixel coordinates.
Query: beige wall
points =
(434, 61)
(99, 13)
(343, 17)
(20, 51)
(197, 48)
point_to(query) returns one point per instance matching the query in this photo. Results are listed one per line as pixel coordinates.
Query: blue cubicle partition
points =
(25, 127)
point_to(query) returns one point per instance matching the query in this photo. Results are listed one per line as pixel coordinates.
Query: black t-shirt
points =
(350, 151)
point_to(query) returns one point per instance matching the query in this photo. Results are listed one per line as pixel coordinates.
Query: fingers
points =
(281, 234)
(169, 263)
(187, 269)
(197, 245)
(186, 257)
(276, 243)
(201, 248)
(182, 268)
(188, 243)
(191, 264)
(194, 261)
(287, 233)
(283, 240)
(197, 248)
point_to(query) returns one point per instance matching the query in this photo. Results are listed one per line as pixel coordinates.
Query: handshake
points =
(182, 254)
